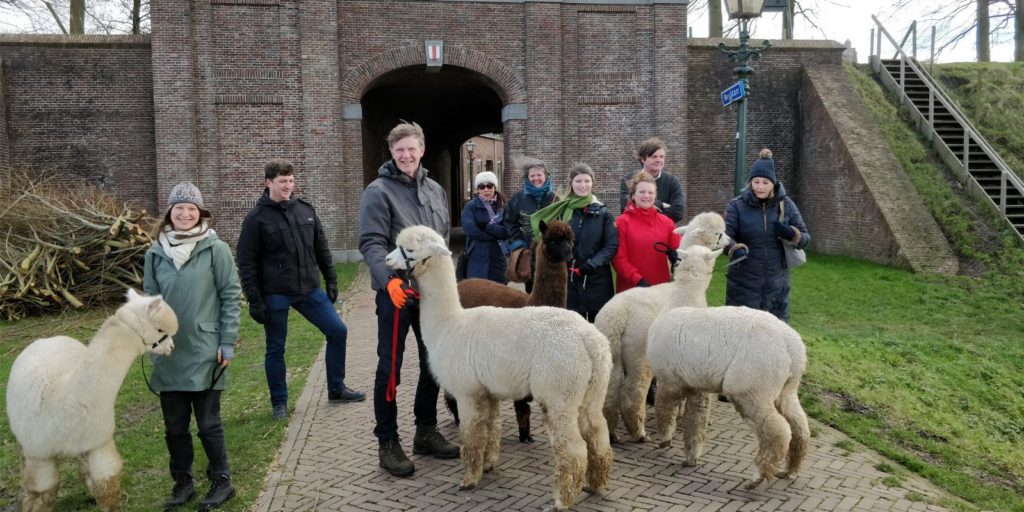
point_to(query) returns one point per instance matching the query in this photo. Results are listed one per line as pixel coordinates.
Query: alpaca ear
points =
(132, 294)
(680, 230)
(441, 250)
(156, 304)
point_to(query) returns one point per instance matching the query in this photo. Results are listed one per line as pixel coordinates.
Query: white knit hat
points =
(485, 177)
(185, 192)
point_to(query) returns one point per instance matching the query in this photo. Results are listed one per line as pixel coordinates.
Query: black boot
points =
(429, 441)
(221, 490)
(522, 408)
(183, 492)
(393, 459)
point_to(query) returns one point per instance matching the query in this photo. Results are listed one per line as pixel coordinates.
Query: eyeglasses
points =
(483, 186)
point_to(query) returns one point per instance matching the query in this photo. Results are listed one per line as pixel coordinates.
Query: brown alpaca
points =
(553, 253)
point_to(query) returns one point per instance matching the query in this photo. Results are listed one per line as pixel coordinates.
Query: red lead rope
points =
(392, 389)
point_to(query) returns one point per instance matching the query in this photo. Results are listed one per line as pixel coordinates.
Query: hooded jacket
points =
(596, 243)
(636, 259)
(282, 249)
(762, 280)
(205, 295)
(391, 203)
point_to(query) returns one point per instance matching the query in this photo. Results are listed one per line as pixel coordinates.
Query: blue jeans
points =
(318, 309)
(178, 407)
(425, 404)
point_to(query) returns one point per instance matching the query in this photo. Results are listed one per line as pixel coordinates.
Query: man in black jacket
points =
(282, 251)
(670, 200)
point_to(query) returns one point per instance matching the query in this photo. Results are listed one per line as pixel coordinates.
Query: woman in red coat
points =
(640, 226)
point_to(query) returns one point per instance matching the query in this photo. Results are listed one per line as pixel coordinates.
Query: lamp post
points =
(470, 146)
(744, 10)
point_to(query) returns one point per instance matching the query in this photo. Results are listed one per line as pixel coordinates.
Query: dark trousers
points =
(318, 309)
(425, 406)
(178, 407)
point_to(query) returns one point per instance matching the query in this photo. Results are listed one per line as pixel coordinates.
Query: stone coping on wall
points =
(777, 44)
(76, 41)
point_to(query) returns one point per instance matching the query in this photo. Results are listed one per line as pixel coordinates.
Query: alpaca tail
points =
(788, 405)
(593, 426)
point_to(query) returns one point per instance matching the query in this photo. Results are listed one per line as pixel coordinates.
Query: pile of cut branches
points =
(62, 247)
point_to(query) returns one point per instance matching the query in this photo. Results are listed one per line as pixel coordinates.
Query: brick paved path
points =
(328, 460)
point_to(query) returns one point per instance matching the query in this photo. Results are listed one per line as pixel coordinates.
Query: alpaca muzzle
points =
(162, 346)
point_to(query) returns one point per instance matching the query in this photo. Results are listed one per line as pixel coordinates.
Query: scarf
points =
(178, 245)
(537, 193)
(489, 205)
(559, 210)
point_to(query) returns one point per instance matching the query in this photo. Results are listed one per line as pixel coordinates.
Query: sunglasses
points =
(483, 186)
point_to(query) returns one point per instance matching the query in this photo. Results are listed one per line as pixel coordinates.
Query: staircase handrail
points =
(973, 133)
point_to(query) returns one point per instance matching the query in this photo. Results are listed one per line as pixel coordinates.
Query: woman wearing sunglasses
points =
(485, 232)
(194, 272)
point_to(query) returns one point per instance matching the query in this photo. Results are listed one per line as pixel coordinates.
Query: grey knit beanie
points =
(185, 192)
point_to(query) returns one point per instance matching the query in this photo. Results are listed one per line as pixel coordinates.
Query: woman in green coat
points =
(194, 272)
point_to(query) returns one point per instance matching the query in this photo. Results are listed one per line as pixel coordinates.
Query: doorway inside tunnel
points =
(458, 109)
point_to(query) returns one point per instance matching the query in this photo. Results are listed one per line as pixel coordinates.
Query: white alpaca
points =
(60, 400)
(748, 355)
(626, 318)
(486, 354)
(707, 229)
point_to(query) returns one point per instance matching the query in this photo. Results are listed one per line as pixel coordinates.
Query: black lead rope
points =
(142, 361)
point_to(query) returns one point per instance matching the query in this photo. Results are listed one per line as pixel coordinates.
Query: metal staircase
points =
(988, 178)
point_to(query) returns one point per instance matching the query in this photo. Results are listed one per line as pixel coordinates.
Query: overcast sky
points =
(851, 19)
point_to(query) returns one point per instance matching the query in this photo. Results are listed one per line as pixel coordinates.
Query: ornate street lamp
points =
(470, 146)
(744, 10)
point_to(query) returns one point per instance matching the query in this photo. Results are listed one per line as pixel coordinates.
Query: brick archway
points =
(505, 82)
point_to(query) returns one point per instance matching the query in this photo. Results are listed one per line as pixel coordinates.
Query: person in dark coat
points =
(485, 233)
(670, 201)
(590, 271)
(536, 194)
(752, 220)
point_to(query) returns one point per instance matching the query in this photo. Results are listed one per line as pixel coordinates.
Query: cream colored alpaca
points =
(60, 400)
(749, 356)
(486, 354)
(625, 320)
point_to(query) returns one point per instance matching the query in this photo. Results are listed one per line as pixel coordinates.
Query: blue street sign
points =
(734, 93)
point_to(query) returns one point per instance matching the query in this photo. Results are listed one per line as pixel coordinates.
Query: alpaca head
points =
(152, 319)
(707, 229)
(557, 241)
(415, 246)
(696, 261)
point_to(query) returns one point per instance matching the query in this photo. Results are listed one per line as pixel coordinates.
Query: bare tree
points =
(62, 16)
(1018, 32)
(955, 20)
(714, 18)
(803, 9)
(77, 16)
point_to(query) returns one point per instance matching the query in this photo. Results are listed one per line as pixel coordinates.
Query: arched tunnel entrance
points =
(452, 106)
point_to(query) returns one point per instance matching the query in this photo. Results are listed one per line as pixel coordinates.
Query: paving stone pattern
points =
(328, 460)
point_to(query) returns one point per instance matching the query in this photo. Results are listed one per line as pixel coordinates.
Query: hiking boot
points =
(221, 490)
(428, 441)
(346, 395)
(183, 492)
(280, 412)
(393, 459)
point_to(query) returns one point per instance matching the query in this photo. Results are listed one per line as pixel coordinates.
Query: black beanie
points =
(763, 168)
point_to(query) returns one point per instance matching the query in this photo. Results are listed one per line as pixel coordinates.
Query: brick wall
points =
(5, 147)
(81, 107)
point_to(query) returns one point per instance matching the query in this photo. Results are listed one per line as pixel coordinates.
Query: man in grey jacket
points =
(401, 196)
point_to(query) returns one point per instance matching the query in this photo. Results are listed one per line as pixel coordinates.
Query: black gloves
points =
(587, 268)
(643, 283)
(258, 312)
(740, 252)
(332, 292)
(783, 231)
(673, 258)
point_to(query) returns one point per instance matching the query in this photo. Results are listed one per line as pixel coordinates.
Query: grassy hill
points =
(992, 96)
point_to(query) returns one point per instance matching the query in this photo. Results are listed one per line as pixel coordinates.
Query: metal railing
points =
(935, 93)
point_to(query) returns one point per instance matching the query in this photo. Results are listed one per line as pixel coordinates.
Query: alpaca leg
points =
(473, 430)
(522, 408)
(695, 425)
(570, 452)
(104, 465)
(493, 451)
(789, 407)
(666, 408)
(611, 402)
(594, 430)
(772, 431)
(40, 479)
(634, 402)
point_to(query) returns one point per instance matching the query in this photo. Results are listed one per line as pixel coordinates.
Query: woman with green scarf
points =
(590, 272)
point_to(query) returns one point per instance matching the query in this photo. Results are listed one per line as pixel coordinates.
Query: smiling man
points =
(282, 252)
(651, 153)
(401, 196)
